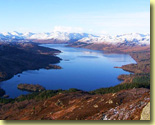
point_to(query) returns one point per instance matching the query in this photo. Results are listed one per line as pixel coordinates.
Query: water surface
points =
(81, 68)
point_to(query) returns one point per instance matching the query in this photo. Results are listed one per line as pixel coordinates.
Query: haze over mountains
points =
(132, 38)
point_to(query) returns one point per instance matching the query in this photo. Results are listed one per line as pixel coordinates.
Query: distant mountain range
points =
(132, 38)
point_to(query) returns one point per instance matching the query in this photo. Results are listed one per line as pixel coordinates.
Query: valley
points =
(76, 60)
(113, 102)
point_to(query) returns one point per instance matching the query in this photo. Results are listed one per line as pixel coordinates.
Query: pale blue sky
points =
(94, 16)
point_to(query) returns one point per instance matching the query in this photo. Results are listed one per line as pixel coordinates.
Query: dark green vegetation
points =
(18, 57)
(37, 95)
(138, 82)
(142, 78)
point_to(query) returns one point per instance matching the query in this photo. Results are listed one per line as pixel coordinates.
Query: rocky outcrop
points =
(5, 96)
(146, 112)
(131, 110)
(128, 111)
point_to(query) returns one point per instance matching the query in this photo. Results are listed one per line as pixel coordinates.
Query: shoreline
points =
(138, 54)
(100, 103)
(122, 77)
(59, 68)
(13, 63)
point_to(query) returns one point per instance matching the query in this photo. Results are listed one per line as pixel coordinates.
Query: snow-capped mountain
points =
(64, 36)
(10, 35)
(132, 38)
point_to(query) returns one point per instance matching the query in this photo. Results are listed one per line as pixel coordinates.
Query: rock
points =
(59, 103)
(110, 101)
(117, 67)
(102, 100)
(95, 106)
(104, 117)
(5, 96)
(145, 115)
(51, 66)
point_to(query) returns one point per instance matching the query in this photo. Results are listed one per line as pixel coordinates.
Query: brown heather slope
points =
(123, 105)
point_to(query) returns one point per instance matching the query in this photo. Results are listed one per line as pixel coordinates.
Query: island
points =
(31, 87)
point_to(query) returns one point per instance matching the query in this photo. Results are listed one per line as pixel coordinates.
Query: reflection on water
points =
(88, 57)
(82, 68)
(118, 57)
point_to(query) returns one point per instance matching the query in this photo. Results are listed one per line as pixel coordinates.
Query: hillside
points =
(78, 105)
(18, 57)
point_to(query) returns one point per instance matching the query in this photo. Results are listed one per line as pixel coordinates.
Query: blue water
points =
(81, 68)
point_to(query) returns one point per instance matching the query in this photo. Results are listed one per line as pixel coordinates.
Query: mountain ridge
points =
(131, 38)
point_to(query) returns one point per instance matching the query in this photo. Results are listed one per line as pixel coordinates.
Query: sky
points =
(92, 16)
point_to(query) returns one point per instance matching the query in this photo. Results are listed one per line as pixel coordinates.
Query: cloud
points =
(68, 29)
